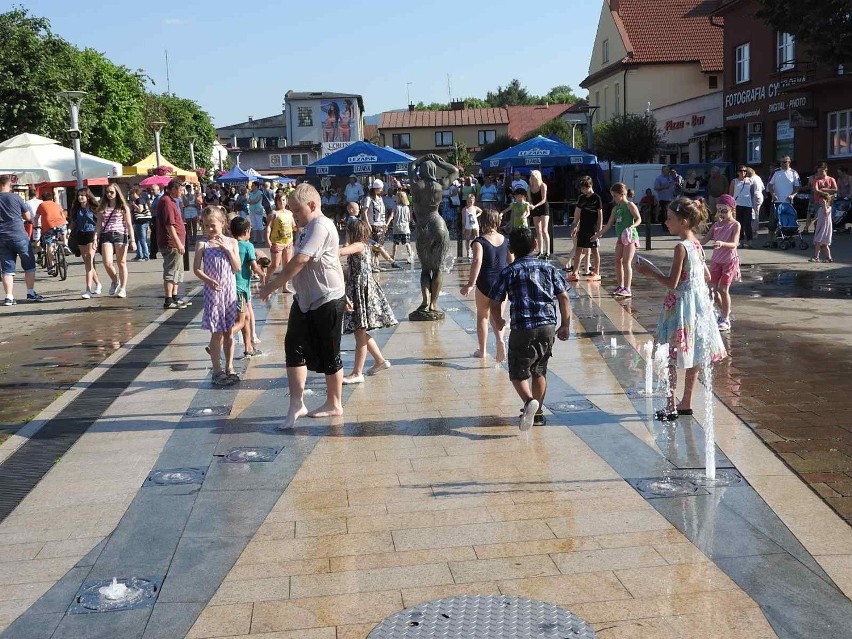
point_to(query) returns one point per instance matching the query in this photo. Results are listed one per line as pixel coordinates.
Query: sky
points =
(238, 63)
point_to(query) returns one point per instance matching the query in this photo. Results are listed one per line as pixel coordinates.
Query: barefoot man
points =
(316, 318)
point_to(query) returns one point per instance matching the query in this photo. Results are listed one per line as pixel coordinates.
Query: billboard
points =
(340, 120)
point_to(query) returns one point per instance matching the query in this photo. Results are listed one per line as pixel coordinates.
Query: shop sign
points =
(330, 147)
(756, 94)
(675, 125)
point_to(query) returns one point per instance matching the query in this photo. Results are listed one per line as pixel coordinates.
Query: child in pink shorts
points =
(725, 263)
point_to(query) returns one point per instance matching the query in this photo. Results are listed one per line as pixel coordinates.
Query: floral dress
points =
(220, 307)
(687, 322)
(370, 307)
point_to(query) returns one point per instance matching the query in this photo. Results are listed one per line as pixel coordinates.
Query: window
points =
(754, 145)
(742, 58)
(443, 138)
(839, 134)
(786, 51)
(401, 140)
(617, 110)
(299, 159)
(306, 116)
(713, 82)
(605, 51)
(487, 136)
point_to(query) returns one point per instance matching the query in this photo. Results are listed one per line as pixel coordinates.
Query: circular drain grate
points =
(667, 487)
(140, 593)
(571, 406)
(209, 411)
(251, 454)
(173, 476)
(491, 617)
(725, 477)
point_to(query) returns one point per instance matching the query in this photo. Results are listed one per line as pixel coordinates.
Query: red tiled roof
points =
(523, 119)
(670, 31)
(427, 119)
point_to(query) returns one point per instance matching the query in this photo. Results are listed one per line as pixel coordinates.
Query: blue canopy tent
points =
(236, 175)
(360, 158)
(538, 152)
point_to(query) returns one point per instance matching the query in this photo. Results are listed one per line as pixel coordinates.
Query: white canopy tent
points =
(35, 159)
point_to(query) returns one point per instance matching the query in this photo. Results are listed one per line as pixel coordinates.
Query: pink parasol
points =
(160, 180)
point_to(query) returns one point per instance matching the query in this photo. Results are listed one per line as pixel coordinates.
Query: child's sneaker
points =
(618, 290)
(625, 292)
(9, 301)
(98, 290)
(35, 297)
(378, 368)
(528, 415)
(724, 326)
(86, 295)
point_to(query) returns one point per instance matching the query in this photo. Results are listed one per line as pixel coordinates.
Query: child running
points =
(520, 210)
(588, 221)
(725, 262)
(490, 256)
(470, 215)
(279, 235)
(217, 259)
(534, 288)
(241, 231)
(367, 306)
(686, 326)
(625, 217)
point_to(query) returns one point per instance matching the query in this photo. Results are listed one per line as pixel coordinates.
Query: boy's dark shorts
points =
(530, 350)
(242, 301)
(313, 338)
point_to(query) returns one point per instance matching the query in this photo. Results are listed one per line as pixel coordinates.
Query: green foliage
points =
(460, 155)
(627, 139)
(499, 144)
(561, 129)
(562, 94)
(825, 33)
(513, 94)
(116, 112)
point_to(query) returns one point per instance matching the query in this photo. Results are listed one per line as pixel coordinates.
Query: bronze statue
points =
(433, 240)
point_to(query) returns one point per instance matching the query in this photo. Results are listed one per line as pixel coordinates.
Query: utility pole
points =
(168, 83)
(74, 99)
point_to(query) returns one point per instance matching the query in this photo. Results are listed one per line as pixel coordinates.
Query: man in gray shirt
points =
(665, 186)
(316, 318)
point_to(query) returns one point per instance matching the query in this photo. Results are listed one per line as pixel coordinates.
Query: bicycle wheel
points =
(61, 263)
(40, 256)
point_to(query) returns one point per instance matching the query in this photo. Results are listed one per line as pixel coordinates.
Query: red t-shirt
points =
(168, 214)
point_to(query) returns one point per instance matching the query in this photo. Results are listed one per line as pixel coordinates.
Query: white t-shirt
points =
(353, 192)
(321, 279)
(783, 183)
(33, 205)
(757, 196)
(520, 184)
(743, 190)
(402, 220)
(375, 210)
(470, 221)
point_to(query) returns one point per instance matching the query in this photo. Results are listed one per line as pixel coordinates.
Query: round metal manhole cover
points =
(251, 454)
(725, 478)
(571, 406)
(483, 617)
(173, 476)
(667, 487)
(134, 593)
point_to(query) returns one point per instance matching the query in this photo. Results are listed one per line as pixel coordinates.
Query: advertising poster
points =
(340, 120)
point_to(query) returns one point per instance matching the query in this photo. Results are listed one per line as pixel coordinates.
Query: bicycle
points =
(54, 256)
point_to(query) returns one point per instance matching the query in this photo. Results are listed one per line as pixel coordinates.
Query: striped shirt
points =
(532, 286)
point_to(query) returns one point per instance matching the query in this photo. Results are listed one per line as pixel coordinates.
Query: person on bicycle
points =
(54, 227)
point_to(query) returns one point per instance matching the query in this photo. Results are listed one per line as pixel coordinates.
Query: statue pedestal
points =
(425, 315)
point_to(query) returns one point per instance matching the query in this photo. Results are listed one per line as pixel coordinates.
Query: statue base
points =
(423, 314)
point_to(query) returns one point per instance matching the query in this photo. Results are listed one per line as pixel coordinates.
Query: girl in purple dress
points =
(217, 259)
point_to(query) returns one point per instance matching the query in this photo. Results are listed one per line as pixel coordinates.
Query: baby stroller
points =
(787, 228)
(841, 215)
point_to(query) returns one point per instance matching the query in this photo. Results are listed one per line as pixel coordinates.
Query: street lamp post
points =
(591, 109)
(157, 126)
(74, 99)
(192, 152)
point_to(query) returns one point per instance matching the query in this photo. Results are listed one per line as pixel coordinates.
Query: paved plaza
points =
(426, 490)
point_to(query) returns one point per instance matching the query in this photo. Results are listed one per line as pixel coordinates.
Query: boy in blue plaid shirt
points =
(534, 288)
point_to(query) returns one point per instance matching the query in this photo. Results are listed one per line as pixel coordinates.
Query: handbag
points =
(73, 245)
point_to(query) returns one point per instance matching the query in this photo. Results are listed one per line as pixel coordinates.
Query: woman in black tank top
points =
(540, 213)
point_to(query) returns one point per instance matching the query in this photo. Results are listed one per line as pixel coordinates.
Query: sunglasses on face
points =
(723, 209)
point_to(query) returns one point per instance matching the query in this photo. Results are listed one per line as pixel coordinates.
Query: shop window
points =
(839, 134)
(401, 140)
(742, 57)
(306, 116)
(754, 143)
(605, 51)
(785, 51)
(443, 138)
(785, 139)
(486, 136)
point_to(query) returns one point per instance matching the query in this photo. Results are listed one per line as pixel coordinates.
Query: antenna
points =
(408, 91)
(168, 82)
(449, 88)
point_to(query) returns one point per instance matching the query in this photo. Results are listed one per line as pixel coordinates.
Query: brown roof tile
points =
(433, 119)
(671, 31)
(523, 119)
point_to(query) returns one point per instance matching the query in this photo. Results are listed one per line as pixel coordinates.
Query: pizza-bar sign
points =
(696, 120)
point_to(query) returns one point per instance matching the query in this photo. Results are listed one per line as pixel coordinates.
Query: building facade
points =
(692, 131)
(421, 132)
(330, 120)
(776, 101)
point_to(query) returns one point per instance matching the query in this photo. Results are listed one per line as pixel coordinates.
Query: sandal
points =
(588, 273)
(827, 260)
(684, 411)
(664, 416)
(573, 278)
(594, 277)
(814, 259)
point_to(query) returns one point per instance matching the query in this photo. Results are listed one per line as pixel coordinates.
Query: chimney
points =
(457, 105)
(251, 118)
(411, 108)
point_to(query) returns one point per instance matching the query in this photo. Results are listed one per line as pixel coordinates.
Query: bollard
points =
(647, 235)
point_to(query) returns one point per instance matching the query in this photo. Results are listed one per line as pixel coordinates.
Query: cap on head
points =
(378, 185)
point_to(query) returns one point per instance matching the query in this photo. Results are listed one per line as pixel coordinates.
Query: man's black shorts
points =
(313, 338)
(529, 351)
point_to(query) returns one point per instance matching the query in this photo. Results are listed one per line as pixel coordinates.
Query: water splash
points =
(114, 592)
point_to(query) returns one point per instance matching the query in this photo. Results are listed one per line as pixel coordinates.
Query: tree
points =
(499, 144)
(627, 139)
(561, 129)
(826, 33)
(513, 94)
(460, 155)
(185, 121)
(562, 94)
